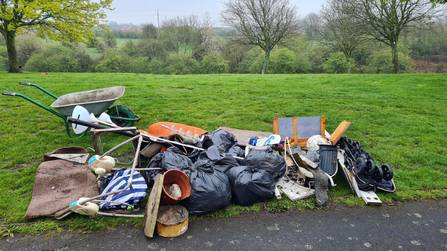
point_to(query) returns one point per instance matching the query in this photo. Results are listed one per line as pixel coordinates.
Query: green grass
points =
(400, 120)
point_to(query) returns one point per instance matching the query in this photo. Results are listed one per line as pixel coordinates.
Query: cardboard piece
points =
(80, 158)
(242, 136)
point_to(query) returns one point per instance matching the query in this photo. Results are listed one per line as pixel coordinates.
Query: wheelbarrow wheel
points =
(121, 111)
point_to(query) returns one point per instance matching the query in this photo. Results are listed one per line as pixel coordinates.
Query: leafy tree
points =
(149, 31)
(61, 20)
(262, 23)
(385, 20)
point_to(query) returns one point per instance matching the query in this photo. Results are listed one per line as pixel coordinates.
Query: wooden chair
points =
(300, 129)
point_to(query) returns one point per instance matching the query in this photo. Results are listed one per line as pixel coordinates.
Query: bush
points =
(130, 49)
(309, 56)
(26, 46)
(380, 61)
(139, 65)
(4, 64)
(112, 62)
(181, 64)
(337, 63)
(214, 63)
(235, 53)
(57, 58)
(152, 48)
(156, 66)
(282, 61)
(253, 61)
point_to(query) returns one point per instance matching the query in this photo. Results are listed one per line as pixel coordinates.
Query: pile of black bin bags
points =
(216, 177)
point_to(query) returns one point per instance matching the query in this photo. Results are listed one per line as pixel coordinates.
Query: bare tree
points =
(385, 20)
(339, 29)
(262, 23)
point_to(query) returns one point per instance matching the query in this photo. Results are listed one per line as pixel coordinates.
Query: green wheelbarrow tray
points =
(96, 102)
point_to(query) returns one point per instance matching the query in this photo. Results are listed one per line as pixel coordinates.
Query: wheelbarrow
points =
(95, 101)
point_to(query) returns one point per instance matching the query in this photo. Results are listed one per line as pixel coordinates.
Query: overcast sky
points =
(145, 11)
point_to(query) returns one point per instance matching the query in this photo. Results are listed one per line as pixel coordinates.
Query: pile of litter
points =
(189, 170)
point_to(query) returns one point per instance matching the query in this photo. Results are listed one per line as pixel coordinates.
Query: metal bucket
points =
(172, 220)
(328, 159)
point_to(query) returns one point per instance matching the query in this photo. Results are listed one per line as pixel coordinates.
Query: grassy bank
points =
(400, 120)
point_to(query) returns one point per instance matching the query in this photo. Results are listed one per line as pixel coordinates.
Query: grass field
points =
(400, 120)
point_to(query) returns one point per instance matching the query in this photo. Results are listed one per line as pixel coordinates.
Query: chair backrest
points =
(299, 128)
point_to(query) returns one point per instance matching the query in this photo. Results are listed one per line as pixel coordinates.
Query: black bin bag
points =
(172, 158)
(223, 142)
(249, 187)
(210, 188)
(267, 160)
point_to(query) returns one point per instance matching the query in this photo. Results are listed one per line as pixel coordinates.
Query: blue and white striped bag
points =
(133, 195)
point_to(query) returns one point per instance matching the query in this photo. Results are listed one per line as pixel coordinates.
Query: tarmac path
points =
(417, 225)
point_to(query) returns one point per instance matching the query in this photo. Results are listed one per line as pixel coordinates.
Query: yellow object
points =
(172, 221)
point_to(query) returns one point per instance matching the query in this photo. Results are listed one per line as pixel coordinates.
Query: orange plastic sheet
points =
(162, 129)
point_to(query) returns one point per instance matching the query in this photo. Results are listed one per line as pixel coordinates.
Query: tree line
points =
(336, 40)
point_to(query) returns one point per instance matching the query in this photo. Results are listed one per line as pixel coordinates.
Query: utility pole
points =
(158, 20)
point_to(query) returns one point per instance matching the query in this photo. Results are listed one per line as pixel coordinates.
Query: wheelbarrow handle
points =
(38, 87)
(9, 93)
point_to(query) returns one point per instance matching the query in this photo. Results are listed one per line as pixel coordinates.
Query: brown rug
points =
(58, 183)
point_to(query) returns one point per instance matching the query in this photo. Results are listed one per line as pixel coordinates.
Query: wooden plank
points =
(309, 162)
(341, 129)
(275, 126)
(323, 126)
(153, 203)
(295, 130)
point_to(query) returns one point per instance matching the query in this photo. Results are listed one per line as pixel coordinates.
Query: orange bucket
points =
(175, 176)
